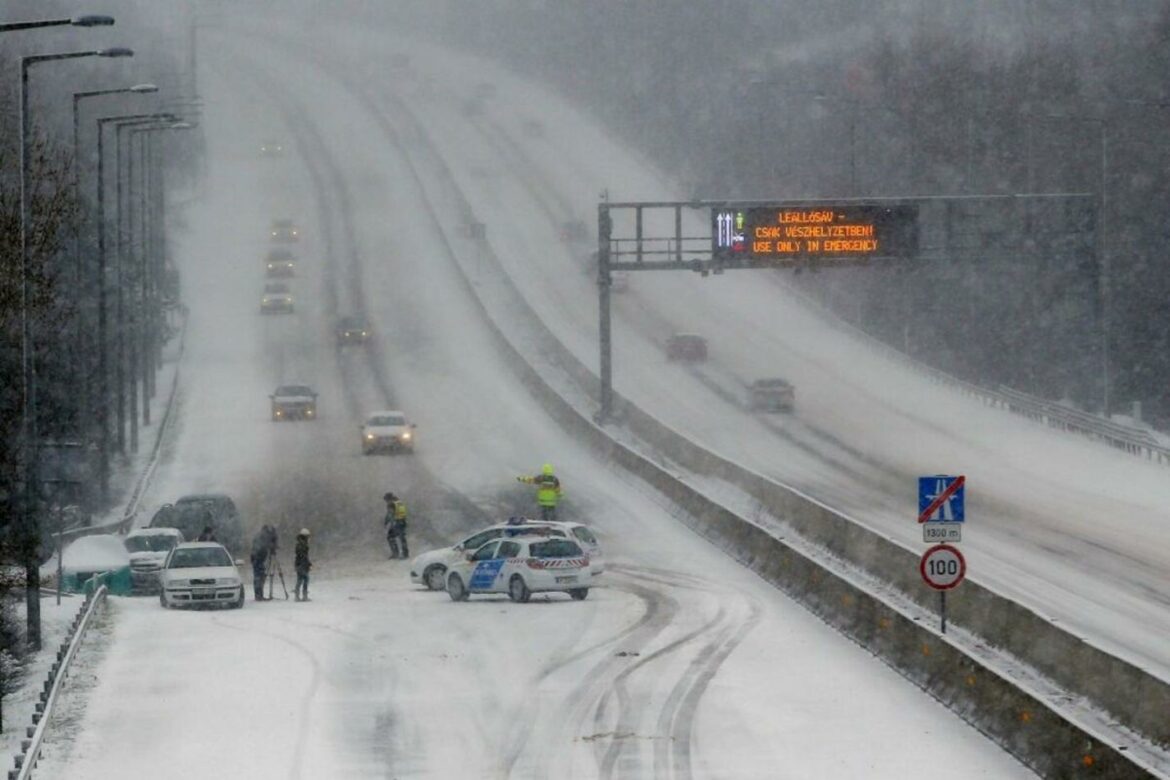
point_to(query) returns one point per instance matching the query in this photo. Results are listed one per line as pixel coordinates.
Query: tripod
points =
(274, 570)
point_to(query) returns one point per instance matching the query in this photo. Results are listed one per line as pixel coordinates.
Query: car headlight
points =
(371, 436)
(406, 436)
(233, 582)
(308, 412)
(274, 234)
(270, 266)
(179, 583)
(364, 333)
(263, 301)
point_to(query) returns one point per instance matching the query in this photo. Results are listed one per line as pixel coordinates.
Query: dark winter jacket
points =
(301, 562)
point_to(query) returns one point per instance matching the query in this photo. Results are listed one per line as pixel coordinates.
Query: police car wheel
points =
(579, 594)
(517, 590)
(239, 603)
(433, 577)
(456, 589)
(162, 599)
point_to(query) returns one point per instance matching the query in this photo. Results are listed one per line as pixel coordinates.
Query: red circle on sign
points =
(937, 570)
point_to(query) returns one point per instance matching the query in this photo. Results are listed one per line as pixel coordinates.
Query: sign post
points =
(943, 568)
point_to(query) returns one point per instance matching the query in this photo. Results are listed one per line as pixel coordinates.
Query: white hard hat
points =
(304, 532)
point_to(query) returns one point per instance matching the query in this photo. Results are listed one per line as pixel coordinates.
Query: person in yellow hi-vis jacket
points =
(548, 491)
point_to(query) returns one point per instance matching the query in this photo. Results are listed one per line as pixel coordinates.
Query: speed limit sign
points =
(943, 567)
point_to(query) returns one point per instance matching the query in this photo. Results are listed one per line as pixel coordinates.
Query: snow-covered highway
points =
(681, 664)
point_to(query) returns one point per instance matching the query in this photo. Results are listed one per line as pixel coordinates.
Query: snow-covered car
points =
(277, 299)
(521, 566)
(772, 394)
(280, 263)
(387, 431)
(353, 330)
(294, 402)
(148, 548)
(430, 568)
(284, 231)
(200, 574)
(89, 556)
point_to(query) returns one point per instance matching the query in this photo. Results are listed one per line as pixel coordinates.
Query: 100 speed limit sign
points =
(943, 567)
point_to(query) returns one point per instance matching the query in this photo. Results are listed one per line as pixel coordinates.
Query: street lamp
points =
(103, 413)
(82, 380)
(28, 458)
(91, 20)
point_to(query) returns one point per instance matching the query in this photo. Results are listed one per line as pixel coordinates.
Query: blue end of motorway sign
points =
(930, 488)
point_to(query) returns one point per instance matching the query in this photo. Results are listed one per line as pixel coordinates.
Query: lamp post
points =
(76, 21)
(28, 457)
(104, 346)
(81, 363)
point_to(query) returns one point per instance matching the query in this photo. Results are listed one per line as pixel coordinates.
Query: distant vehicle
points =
(192, 513)
(280, 263)
(387, 431)
(200, 574)
(284, 231)
(277, 299)
(574, 230)
(521, 566)
(271, 149)
(772, 394)
(148, 548)
(430, 568)
(687, 347)
(353, 330)
(294, 402)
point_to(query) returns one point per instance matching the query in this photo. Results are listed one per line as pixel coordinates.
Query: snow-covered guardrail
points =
(30, 747)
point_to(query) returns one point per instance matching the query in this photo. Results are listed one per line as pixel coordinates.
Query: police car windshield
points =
(555, 548)
(199, 557)
(293, 390)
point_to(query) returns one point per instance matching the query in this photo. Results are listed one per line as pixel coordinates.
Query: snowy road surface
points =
(680, 664)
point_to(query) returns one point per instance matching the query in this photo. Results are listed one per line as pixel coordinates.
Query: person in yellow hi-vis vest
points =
(548, 491)
(395, 522)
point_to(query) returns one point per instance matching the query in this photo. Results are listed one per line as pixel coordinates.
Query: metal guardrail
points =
(30, 748)
(1127, 438)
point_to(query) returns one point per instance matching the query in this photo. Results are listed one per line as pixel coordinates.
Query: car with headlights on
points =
(387, 431)
(276, 299)
(280, 264)
(293, 402)
(200, 574)
(271, 148)
(430, 568)
(353, 331)
(521, 566)
(284, 231)
(148, 548)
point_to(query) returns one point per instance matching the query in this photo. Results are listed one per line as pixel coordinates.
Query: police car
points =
(521, 566)
(430, 568)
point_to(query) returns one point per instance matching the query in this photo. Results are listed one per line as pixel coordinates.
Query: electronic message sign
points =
(833, 234)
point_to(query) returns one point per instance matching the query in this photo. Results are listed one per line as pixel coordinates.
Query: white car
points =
(200, 573)
(430, 568)
(148, 548)
(521, 566)
(387, 431)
